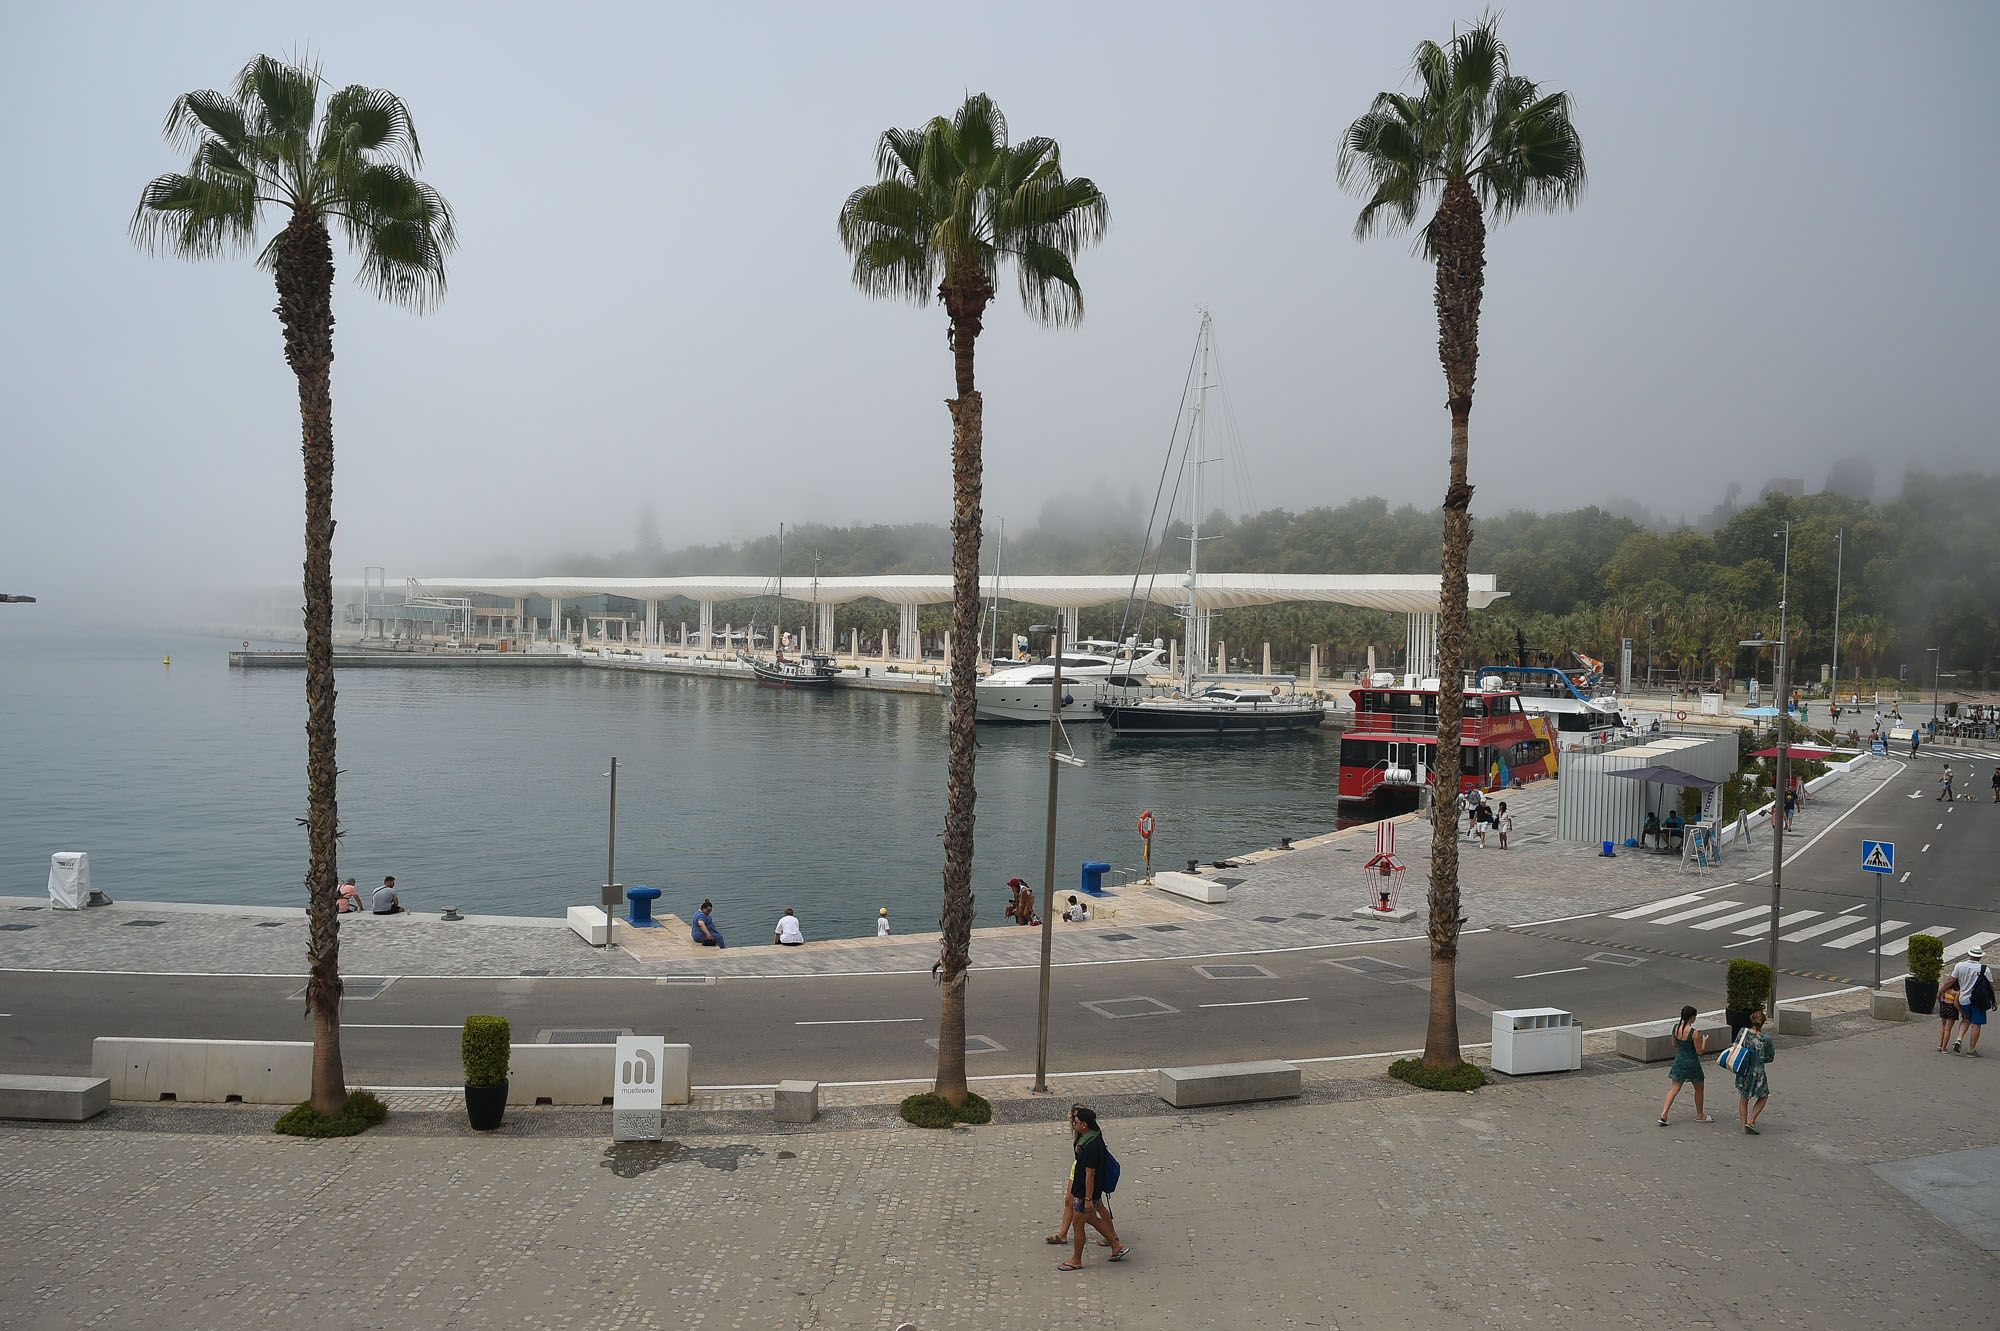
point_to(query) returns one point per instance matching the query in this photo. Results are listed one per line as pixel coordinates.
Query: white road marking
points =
(1967, 943)
(1709, 909)
(1902, 945)
(859, 1021)
(1785, 921)
(1256, 1002)
(1814, 930)
(395, 1026)
(1906, 876)
(1652, 906)
(1859, 905)
(1745, 943)
(1927, 845)
(1567, 970)
(1737, 918)
(1860, 936)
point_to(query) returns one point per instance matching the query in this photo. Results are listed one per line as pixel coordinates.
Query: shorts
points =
(1975, 1015)
(1947, 1012)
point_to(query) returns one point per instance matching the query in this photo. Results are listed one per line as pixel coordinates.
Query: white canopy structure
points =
(1413, 595)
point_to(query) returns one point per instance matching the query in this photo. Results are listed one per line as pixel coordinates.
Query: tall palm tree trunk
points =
(1459, 236)
(304, 270)
(965, 297)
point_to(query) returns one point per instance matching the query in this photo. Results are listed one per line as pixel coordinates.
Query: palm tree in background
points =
(1473, 135)
(268, 144)
(951, 199)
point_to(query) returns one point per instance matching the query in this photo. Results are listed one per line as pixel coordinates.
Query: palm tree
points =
(1473, 135)
(951, 199)
(268, 143)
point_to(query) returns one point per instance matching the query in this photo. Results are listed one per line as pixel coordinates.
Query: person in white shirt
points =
(882, 922)
(1505, 823)
(788, 933)
(1077, 912)
(1970, 1018)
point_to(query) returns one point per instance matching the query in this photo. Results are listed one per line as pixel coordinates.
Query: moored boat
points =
(1227, 705)
(1388, 750)
(807, 670)
(1091, 670)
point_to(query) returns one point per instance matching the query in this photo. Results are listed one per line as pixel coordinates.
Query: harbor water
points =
(485, 789)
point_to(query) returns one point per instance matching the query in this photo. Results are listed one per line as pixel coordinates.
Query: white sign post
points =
(636, 1088)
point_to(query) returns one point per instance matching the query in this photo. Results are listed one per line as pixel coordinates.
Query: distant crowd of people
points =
(788, 932)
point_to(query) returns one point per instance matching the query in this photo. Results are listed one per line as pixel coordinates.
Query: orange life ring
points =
(1146, 824)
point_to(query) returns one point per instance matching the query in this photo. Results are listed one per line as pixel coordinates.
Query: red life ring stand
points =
(1146, 824)
(1680, 715)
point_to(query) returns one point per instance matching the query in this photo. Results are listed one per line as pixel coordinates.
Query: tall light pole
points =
(1778, 785)
(1049, 857)
(1839, 557)
(612, 887)
(1937, 661)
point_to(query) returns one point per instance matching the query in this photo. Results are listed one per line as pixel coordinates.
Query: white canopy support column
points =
(555, 619)
(1421, 644)
(652, 623)
(907, 646)
(707, 625)
(823, 636)
(1069, 615)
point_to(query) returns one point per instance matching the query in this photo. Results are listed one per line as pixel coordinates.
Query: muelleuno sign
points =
(636, 1088)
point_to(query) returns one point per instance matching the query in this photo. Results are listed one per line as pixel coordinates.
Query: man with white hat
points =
(882, 922)
(1975, 999)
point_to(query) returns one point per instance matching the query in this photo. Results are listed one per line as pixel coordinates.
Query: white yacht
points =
(1021, 692)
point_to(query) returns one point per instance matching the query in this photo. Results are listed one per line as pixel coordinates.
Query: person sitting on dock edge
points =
(703, 928)
(1078, 912)
(788, 933)
(386, 901)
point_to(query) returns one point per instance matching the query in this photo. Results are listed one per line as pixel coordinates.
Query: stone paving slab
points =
(1546, 1203)
(1295, 898)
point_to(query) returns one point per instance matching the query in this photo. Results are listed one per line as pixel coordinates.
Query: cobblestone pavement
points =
(1547, 1203)
(1301, 897)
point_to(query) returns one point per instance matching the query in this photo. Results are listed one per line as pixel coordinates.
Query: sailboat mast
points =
(999, 556)
(1196, 645)
(818, 646)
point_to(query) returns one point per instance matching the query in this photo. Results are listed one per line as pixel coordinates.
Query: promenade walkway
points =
(1872, 1197)
(1298, 898)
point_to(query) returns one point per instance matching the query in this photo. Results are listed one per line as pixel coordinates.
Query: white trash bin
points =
(69, 879)
(1537, 1039)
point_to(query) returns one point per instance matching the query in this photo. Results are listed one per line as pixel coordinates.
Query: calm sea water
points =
(485, 789)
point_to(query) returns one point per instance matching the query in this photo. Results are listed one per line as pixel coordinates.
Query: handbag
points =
(1732, 1057)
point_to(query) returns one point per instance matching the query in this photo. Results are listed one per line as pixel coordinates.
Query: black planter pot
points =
(485, 1105)
(1738, 1018)
(1922, 995)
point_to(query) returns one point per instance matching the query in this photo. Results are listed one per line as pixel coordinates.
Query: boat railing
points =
(1424, 723)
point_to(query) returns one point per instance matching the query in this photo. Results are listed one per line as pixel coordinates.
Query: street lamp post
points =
(1778, 785)
(1049, 858)
(1839, 557)
(612, 887)
(1937, 661)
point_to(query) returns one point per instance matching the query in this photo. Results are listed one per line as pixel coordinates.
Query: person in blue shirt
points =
(704, 929)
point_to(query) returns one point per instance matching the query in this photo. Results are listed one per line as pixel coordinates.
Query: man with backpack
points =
(1975, 988)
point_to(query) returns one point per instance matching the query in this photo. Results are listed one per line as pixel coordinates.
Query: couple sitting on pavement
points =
(384, 901)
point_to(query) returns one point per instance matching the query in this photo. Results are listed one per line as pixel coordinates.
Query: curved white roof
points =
(1402, 593)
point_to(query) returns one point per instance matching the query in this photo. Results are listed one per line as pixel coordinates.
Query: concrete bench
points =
(581, 1074)
(1192, 886)
(1654, 1041)
(587, 923)
(1230, 1083)
(795, 1101)
(261, 1072)
(58, 1099)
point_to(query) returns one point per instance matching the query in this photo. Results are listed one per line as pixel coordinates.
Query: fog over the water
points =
(1775, 266)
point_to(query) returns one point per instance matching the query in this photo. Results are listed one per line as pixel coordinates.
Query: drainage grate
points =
(1119, 1008)
(1118, 938)
(358, 989)
(1615, 959)
(1269, 919)
(581, 1036)
(1374, 968)
(270, 924)
(16, 928)
(1227, 882)
(143, 924)
(1235, 972)
(685, 979)
(1366, 928)
(978, 1044)
(1308, 915)
(543, 971)
(1164, 928)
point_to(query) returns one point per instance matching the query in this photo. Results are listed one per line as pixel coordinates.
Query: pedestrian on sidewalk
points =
(1791, 807)
(1689, 1045)
(1975, 999)
(703, 928)
(1753, 1087)
(1996, 785)
(1506, 824)
(1086, 1189)
(1947, 1010)
(1482, 818)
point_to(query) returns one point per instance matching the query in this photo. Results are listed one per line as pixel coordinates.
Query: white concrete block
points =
(1192, 886)
(275, 1072)
(588, 923)
(1653, 1042)
(795, 1101)
(1796, 1020)
(1230, 1083)
(1887, 1005)
(259, 1072)
(1396, 916)
(53, 1099)
(581, 1074)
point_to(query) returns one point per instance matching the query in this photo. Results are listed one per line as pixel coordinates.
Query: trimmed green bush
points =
(1464, 1077)
(1749, 984)
(363, 1110)
(1926, 958)
(930, 1110)
(485, 1049)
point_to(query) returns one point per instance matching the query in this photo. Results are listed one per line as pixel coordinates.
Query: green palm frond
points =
(1470, 118)
(261, 146)
(953, 194)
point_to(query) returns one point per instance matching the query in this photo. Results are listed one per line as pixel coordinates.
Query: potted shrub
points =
(1749, 986)
(1920, 986)
(485, 1049)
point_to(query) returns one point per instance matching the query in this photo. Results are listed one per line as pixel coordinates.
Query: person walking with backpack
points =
(1944, 785)
(1747, 1058)
(1689, 1046)
(1975, 999)
(1096, 1173)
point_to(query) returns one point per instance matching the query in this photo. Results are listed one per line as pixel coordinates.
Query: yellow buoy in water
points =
(166, 660)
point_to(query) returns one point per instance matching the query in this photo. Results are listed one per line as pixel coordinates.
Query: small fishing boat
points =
(807, 670)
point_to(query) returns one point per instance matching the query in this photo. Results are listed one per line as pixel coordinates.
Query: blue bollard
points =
(642, 899)
(1093, 877)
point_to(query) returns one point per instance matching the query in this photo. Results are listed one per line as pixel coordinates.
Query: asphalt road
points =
(1318, 1002)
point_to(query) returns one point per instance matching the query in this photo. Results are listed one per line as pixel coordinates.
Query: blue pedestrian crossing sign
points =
(1878, 857)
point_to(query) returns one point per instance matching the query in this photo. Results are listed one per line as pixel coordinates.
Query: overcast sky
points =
(1780, 260)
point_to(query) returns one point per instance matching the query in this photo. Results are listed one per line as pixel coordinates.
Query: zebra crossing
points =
(1817, 927)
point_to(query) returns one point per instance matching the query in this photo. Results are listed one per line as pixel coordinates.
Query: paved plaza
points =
(1554, 1202)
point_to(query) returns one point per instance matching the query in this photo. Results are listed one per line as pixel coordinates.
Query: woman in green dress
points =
(1689, 1046)
(1753, 1088)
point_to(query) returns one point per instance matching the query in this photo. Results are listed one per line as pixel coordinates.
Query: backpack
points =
(1110, 1180)
(1980, 995)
